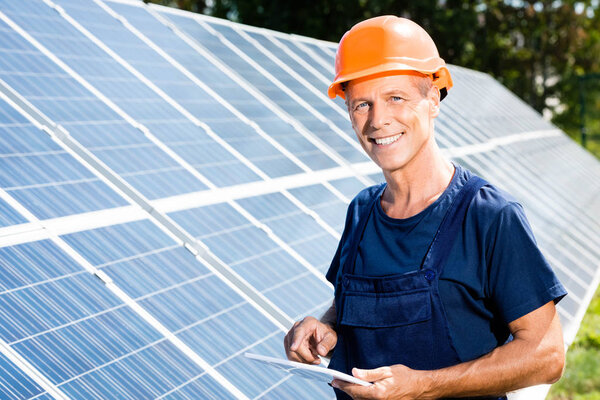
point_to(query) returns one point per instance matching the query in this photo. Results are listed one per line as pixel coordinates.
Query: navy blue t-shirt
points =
(495, 272)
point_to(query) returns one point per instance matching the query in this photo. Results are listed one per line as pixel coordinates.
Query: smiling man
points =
(436, 268)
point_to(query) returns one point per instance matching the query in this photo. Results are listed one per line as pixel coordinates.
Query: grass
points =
(581, 380)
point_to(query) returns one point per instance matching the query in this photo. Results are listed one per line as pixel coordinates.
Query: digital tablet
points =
(308, 371)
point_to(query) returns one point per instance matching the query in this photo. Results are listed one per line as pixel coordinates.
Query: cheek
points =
(358, 124)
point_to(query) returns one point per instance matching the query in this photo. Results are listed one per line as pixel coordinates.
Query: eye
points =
(361, 106)
(397, 98)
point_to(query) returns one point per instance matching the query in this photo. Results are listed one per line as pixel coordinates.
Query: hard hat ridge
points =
(387, 43)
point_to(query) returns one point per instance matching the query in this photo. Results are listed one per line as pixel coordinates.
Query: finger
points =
(286, 345)
(355, 391)
(327, 343)
(299, 335)
(372, 375)
(307, 352)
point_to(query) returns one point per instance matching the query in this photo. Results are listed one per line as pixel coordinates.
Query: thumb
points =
(372, 375)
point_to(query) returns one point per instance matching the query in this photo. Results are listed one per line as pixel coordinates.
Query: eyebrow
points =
(395, 90)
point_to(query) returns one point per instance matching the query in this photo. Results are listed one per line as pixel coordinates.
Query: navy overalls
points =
(398, 319)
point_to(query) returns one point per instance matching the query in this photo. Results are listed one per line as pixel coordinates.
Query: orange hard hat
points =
(384, 44)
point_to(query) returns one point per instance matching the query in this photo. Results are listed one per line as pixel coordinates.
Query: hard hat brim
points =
(443, 81)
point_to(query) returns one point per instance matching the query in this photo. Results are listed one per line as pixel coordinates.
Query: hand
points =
(397, 382)
(308, 339)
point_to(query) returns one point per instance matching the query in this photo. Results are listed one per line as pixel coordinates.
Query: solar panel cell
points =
(14, 384)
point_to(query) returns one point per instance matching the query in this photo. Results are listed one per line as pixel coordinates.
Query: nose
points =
(381, 115)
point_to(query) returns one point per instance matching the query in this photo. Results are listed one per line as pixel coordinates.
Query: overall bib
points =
(398, 319)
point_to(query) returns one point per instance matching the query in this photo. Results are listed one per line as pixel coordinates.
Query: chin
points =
(390, 165)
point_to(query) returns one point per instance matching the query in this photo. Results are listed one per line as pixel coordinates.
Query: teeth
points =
(388, 140)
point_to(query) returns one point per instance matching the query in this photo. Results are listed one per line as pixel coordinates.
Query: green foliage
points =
(581, 380)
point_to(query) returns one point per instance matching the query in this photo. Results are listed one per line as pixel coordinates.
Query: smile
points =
(387, 140)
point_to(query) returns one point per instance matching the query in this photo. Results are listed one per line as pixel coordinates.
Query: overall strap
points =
(449, 229)
(357, 232)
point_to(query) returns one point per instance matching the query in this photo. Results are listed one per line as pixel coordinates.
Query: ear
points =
(434, 101)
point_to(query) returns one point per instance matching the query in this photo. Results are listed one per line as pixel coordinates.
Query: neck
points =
(418, 184)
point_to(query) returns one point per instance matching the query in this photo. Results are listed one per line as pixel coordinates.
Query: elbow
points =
(555, 365)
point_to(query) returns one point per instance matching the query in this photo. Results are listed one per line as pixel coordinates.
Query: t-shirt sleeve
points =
(520, 278)
(334, 266)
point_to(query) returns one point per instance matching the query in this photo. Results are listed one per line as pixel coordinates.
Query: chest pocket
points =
(385, 310)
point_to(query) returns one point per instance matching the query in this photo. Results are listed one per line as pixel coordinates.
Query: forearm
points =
(329, 317)
(518, 364)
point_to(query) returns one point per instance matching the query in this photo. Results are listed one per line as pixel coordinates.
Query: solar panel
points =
(43, 176)
(267, 77)
(226, 89)
(77, 333)
(173, 187)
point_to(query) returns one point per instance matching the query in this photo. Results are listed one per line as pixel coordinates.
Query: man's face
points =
(392, 119)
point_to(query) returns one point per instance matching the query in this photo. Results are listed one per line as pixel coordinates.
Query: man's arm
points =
(310, 338)
(534, 356)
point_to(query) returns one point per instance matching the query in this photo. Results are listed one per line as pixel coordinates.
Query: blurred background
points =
(546, 52)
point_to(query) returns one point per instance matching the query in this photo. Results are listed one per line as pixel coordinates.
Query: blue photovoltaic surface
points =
(319, 102)
(495, 112)
(288, 103)
(256, 258)
(295, 227)
(122, 147)
(236, 95)
(186, 297)
(349, 187)
(67, 324)
(8, 215)
(298, 49)
(14, 383)
(324, 65)
(42, 176)
(190, 141)
(318, 198)
(133, 96)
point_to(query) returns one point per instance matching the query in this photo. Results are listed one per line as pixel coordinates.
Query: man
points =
(436, 268)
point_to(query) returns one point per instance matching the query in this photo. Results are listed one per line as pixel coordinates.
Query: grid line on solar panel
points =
(111, 362)
(41, 174)
(14, 384)
(20, 380)
(274, 124)
(318, 78)
(280, 167)
(217, 138)
(231, 63)
(188, 330)
(558, 200)
(285, 62)
(308, 113)
(131, 105)
(100, 110)
(325, 68)
(252, 253)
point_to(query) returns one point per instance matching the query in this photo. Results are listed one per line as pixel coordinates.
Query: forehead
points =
(406, 82)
